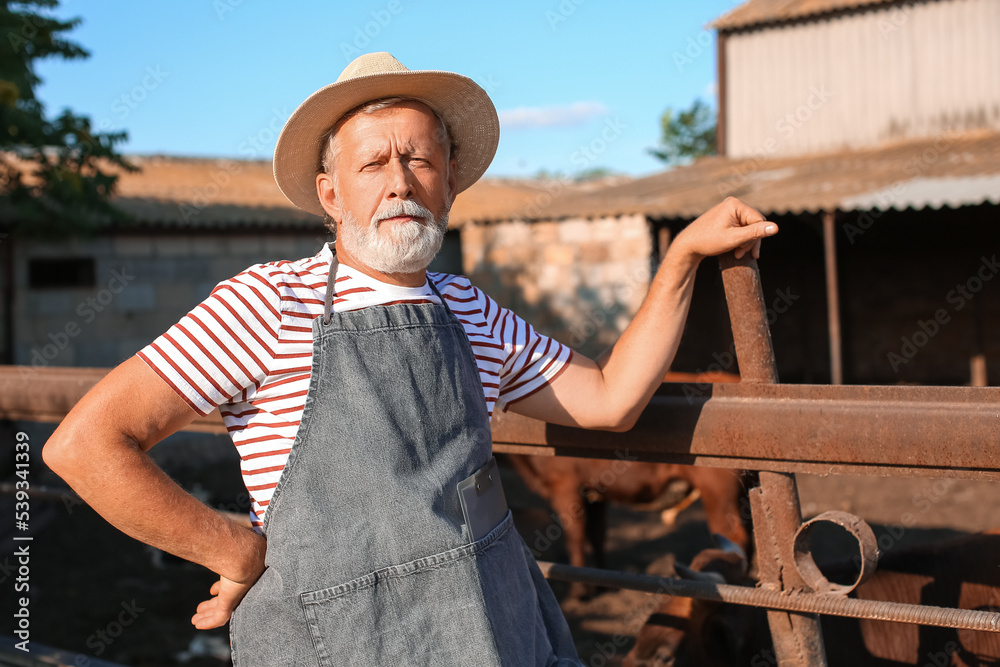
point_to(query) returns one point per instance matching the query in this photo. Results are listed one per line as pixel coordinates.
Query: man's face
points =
(392, 188)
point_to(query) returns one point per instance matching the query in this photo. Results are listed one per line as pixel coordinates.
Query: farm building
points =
(870, 131)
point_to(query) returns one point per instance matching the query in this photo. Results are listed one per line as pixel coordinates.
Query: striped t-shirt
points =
(247, 349)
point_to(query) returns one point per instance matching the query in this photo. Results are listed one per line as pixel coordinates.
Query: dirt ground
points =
(99, 593)
(938, 510)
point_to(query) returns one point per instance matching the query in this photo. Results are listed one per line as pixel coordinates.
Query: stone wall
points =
(579, 280)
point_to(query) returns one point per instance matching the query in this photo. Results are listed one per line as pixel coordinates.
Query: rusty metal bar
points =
(900, 430)
(832, 297)
(799, 602)
(68, 495)
(47, 394)
(774, 501)
(820, 429)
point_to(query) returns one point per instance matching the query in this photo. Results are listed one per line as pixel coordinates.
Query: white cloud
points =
(710, 90)
(565, 115)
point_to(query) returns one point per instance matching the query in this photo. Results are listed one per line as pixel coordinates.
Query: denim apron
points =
(369, 561)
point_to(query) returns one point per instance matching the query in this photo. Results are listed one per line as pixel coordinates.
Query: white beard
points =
(404, 247)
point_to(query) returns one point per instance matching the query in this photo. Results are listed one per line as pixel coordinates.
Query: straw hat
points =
(464, 106)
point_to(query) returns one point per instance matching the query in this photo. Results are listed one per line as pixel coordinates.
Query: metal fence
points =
(757, 425)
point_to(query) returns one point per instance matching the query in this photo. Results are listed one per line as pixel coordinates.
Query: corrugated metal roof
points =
(199, 193)
(755, 12)
(950, 170)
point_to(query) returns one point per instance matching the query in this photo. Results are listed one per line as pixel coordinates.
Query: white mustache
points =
(402, 207)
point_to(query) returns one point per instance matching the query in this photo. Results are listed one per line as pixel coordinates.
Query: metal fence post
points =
(774, 502)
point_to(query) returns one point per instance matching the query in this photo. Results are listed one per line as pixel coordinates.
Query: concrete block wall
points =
(579, 280)
(143, 285)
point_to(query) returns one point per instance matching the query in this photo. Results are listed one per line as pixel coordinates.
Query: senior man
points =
(358, 389)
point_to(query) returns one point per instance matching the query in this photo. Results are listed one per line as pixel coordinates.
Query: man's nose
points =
(399, 177)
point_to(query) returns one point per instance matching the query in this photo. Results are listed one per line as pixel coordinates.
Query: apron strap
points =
(328, 302)
(439, 295)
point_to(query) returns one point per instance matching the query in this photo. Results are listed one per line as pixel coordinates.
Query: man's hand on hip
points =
(227, 594)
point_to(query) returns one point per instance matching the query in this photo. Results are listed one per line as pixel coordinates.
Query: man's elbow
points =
(62, 451)
(57, 454)
(619, 422)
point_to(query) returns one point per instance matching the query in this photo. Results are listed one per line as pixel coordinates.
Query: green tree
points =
(56, 174)
(686, 134)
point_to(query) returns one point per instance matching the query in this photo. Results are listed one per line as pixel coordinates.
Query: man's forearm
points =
(122, 484)
(97, 451)
(612, 391)
(634, 367)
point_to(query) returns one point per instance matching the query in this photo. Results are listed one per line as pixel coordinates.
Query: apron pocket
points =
(427, 611)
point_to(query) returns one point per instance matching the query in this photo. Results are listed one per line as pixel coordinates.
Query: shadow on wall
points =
(585, 305)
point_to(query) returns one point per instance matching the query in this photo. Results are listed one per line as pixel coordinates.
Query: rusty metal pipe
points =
(800, 602)
(819, 429)
(774, 501)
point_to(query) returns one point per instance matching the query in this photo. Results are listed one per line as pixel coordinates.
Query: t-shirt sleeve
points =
(224, 347)
(532, 359)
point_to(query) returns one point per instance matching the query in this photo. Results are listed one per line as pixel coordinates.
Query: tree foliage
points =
(686, 134)
(56, 174)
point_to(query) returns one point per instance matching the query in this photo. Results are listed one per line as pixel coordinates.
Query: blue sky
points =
(578, 83)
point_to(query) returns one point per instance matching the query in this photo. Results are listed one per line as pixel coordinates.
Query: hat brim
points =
(461, 102)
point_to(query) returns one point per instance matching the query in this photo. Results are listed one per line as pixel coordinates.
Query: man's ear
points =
(452, 180)
(327, 193)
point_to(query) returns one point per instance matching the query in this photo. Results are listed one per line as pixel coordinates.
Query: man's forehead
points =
(410, 122)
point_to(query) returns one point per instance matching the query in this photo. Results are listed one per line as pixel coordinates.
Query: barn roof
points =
(201, 193)
(173, 193)
(756, 12)
(949, 170)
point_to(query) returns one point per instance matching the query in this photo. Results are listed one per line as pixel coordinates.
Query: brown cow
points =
(962, 572)
(578, 490)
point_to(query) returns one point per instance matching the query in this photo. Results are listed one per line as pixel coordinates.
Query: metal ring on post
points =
(867, 558)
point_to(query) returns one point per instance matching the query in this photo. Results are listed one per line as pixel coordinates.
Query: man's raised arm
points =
(100, 448)
(610, 392)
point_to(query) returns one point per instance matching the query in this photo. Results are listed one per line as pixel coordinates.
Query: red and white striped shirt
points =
(247, 349)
